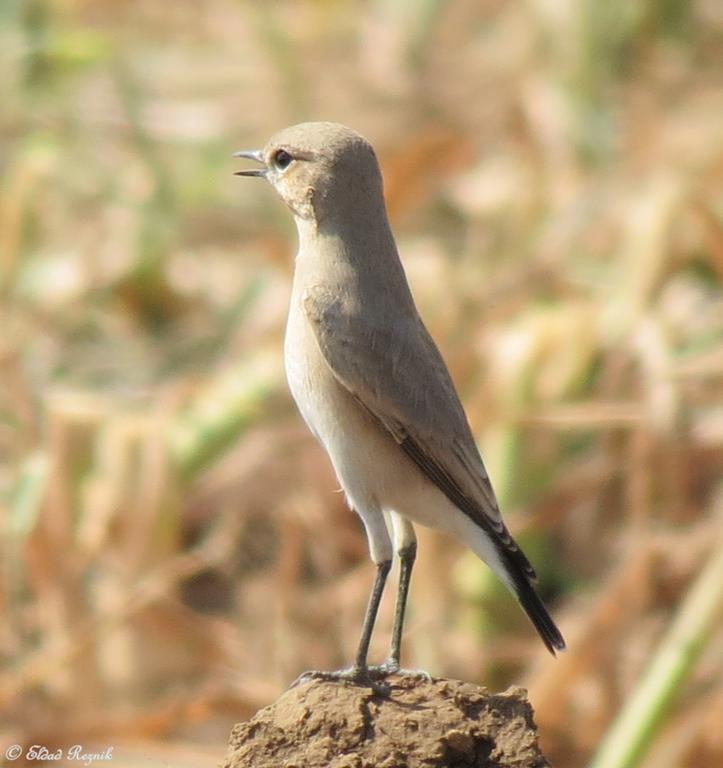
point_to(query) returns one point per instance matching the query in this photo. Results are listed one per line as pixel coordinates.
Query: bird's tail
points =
(518, 579)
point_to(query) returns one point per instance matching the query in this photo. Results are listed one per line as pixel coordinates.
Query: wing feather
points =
(396, 372)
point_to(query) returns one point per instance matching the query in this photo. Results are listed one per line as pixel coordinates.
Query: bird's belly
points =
(371, 466)
(350, 435)
(362, 451)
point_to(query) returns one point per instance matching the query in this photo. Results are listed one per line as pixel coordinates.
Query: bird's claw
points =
(373, 677)
(365, 677)
(391, 667)
(347, 675)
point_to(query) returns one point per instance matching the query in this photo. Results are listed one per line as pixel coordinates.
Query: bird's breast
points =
(368, 462)
(345, 428)
(311, 382)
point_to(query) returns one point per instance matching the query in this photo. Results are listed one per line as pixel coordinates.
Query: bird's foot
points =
(391, 667)
(365, 677)
(373, 677)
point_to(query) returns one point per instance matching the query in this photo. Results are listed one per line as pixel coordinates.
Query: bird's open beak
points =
(252, 154)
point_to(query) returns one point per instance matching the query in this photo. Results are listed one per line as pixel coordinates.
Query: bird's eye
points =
(282, 159)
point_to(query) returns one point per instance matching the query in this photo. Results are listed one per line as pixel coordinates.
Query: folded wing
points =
(397, 373)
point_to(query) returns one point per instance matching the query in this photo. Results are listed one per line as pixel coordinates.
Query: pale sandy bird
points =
(370, 381)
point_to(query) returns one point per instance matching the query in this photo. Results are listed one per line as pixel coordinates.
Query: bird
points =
(371, 384)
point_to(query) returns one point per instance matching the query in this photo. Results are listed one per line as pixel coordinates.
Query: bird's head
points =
(320, 170)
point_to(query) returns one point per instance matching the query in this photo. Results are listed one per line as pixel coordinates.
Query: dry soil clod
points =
(419, 724)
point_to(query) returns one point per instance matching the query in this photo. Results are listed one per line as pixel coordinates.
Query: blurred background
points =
(174, 551)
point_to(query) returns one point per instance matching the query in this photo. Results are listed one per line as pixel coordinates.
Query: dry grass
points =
(172, 549)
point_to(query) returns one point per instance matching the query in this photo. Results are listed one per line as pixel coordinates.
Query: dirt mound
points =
(419, 724)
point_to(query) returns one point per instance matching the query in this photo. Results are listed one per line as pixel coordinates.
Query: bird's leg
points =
(407, 556)
(360, 665)
(405, 543)
(359, 673)
(406, 546)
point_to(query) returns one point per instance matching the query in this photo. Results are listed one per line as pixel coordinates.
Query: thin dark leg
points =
(407, 556)
(359, 674)
(371, 615)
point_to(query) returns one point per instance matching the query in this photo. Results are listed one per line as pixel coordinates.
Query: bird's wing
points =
(397, 373)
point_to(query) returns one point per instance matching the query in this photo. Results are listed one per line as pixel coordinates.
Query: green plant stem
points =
(221, 413)
(635, 726)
